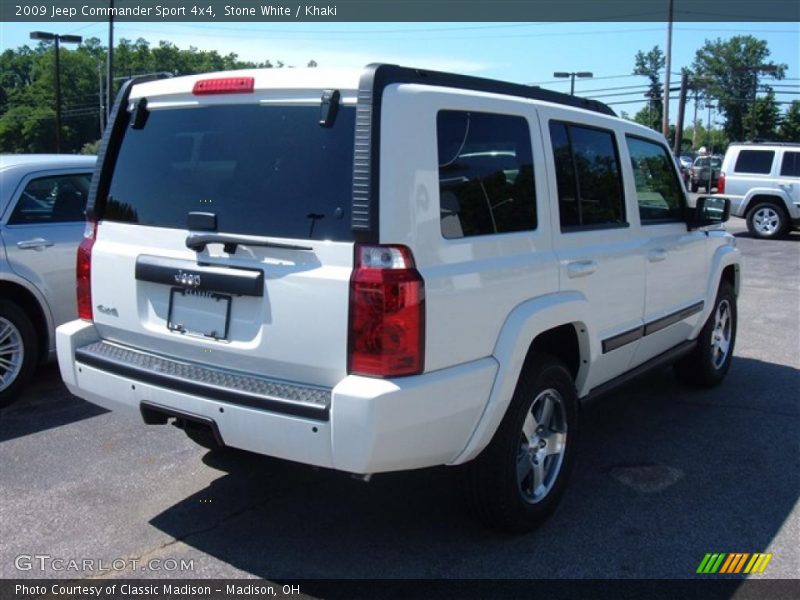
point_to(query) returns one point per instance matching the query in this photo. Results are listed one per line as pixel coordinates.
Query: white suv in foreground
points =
(391, 269)
(762, 181)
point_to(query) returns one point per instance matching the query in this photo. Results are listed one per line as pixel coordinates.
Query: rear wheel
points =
(709, 362)
(518, 480)
(767, 221)
(19, 350)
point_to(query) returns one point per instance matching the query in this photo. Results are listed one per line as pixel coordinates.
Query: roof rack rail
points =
(766, 143)
(386, 74)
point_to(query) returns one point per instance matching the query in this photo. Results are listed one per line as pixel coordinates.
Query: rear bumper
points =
(361, 425)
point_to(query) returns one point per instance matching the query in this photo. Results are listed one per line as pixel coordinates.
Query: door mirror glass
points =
(710, 210)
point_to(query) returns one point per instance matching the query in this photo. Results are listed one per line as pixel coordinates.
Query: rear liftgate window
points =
(263, 170)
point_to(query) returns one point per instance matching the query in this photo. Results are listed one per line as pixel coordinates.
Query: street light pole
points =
(57, 39)
(58, 98)
(572, 76)
(110, 66)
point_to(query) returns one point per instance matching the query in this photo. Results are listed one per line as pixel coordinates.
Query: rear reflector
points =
(387, 313)
(83, 271)
(224, 85)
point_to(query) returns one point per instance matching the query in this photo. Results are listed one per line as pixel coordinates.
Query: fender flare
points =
(520, 329)
(775, 193)
(723, 257)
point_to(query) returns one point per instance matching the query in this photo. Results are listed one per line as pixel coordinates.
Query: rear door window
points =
(758, 162)
(587, 176)
(55, 199)
(486, 181)
(263, 170)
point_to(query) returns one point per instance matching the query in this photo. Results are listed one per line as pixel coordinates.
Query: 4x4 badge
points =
(187, 279)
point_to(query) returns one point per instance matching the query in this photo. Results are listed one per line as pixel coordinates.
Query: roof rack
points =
(766, 143)
(387, 74)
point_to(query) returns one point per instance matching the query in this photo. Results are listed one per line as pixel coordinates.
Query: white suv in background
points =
(391, 269)
(762, 181)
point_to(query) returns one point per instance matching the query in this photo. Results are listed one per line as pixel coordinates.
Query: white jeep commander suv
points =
(390, 269)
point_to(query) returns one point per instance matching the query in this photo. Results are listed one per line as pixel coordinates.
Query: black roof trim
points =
(109, 146)
(388, 74)
(766, 143)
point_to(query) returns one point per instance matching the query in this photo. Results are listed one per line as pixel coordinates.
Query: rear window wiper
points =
(198, 242)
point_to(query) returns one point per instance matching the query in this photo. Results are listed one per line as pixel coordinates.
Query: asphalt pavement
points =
(663, 475)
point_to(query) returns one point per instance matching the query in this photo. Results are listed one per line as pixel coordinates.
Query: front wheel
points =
(518, 480)
(709, 362)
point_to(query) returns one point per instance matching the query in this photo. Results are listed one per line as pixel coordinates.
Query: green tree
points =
(27, 86)
(650, 64)
(730, 71)
(763, 120)
(789, 130)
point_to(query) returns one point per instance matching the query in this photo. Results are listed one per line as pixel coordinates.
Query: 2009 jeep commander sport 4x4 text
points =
(390, 269)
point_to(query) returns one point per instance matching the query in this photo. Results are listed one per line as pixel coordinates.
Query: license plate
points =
(201, 313)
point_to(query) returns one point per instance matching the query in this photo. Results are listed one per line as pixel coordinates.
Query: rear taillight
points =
(224, 85)
(84, 272)
(387, 313)
(721, 183)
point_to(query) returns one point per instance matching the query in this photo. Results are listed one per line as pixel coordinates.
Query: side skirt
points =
(662, 360)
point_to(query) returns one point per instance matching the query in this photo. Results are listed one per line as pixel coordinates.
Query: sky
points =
(520, 52)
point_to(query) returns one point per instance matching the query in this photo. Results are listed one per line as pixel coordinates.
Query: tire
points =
(19, 351)
(694, 187)
(767, 220)
(709, 362)
(519, 478)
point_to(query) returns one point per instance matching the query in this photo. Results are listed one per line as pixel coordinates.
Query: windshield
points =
(703, 162)
(263, 170)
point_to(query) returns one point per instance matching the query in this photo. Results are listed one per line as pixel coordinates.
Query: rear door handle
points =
(34, 244)
(657, 255)
(581, 268)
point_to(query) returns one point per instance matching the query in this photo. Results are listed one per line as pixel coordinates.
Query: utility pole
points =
(110, 71)
(100, 96)
(710, 149)
(681, 111)
(694, 121)
(665, 121)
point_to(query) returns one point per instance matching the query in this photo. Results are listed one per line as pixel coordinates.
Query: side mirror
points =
(710, 210)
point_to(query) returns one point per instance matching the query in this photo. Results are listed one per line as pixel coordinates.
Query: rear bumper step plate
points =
(216, 384)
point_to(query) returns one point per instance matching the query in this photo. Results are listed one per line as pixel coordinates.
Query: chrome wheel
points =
(12, 353)
(721, 334)
(542, 444)
(766, 220)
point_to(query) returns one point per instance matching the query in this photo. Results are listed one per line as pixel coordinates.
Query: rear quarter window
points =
(757, 162)
(486, 183)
